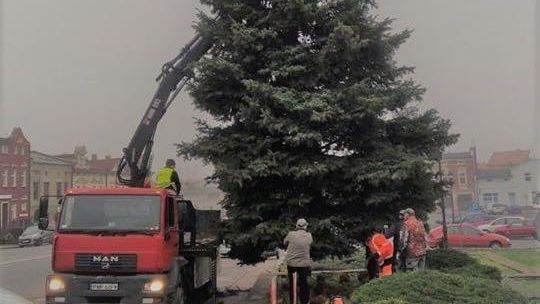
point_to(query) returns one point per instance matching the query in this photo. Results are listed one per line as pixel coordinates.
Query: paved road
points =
(524, 243)
(23, 272)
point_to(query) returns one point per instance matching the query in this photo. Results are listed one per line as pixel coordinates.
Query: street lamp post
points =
(443, 207)
(451, 183)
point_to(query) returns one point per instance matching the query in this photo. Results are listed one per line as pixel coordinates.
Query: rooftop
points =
(508, 158)
(42, 158)
(104, 165)
(457, 155)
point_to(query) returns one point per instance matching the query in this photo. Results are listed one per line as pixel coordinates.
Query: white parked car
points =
(500, 222)
(496, 208)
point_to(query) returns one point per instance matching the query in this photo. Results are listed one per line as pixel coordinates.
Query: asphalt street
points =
(23, 272)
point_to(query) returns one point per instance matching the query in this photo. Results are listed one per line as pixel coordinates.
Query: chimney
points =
(107, 157)
(94, 157)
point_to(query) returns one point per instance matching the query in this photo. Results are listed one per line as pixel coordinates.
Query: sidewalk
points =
(11, 298)
(9, 246)
(245, 284)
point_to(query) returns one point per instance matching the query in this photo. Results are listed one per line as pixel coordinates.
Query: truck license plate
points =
(104, 286)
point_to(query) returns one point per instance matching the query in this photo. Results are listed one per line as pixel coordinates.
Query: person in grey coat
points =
(298, 259)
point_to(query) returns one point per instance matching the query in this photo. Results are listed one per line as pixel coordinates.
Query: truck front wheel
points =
(179, 297)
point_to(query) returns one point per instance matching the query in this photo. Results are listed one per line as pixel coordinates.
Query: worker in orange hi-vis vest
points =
(383, 251)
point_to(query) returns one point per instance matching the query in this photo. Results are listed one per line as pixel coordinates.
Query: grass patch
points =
(527, 257)
(456, 262)
(528, 287)
(480, 258)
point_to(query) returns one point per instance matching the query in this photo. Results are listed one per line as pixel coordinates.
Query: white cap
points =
(301, 223)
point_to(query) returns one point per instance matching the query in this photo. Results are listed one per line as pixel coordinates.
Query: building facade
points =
(14, 181)
(91, 172)
(460, 170)
(510, 178)
(49, 176)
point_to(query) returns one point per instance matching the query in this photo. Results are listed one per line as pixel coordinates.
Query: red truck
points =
(135, 245)
(130, 245)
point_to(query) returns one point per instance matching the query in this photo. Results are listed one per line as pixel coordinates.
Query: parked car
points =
(466, 235)
(496, 208)
(477, 219)
(500, 222)
(517, 228)
(33, 236)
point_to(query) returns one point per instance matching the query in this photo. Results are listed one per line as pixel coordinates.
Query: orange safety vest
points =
(378, 243)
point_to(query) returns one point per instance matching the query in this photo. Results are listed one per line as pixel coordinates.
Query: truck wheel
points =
(179, 297)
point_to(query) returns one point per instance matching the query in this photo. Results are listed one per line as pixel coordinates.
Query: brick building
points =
(461, 169)
(14, 181)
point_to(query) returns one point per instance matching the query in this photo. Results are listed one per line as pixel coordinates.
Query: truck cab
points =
(127, 245)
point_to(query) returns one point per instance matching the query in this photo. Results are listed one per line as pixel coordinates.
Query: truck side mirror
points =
(43, 213)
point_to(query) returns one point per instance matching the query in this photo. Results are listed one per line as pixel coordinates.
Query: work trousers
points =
(415, 263)
(302, 287)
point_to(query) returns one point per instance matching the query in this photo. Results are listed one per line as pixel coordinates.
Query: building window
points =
(66, 187)
(23, 178)
(490, 198)
(511, 198)
(462, 178)
(4, 149)
(23, 208)
(13, 211)
(35, 194)
(4, 177)
(59, 189)
(14, 178)
(528, 177)
(46, 189)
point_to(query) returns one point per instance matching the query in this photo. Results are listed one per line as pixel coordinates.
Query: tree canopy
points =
(311, 117)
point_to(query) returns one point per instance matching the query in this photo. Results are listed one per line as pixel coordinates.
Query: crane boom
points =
(135, 163)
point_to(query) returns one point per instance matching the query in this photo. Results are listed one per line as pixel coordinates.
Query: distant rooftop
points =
(42, 158)
(457, 155)
(104, 165)
(508, 158)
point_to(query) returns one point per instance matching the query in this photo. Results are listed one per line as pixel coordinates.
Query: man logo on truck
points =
(105, 259)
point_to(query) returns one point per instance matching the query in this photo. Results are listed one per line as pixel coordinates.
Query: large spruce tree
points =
(311, 117)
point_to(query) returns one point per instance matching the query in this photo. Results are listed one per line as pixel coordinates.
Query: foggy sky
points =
(82, 72)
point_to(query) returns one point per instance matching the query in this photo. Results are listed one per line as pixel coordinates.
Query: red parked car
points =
(478, 219)
(466, 235)
(519, 227)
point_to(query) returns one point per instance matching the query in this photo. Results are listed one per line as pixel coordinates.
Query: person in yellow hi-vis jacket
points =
(167, 177)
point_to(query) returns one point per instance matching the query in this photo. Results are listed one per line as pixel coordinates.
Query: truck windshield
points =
(110, 213)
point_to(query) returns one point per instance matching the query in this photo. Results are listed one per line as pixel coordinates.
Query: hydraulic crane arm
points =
(136, 159)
